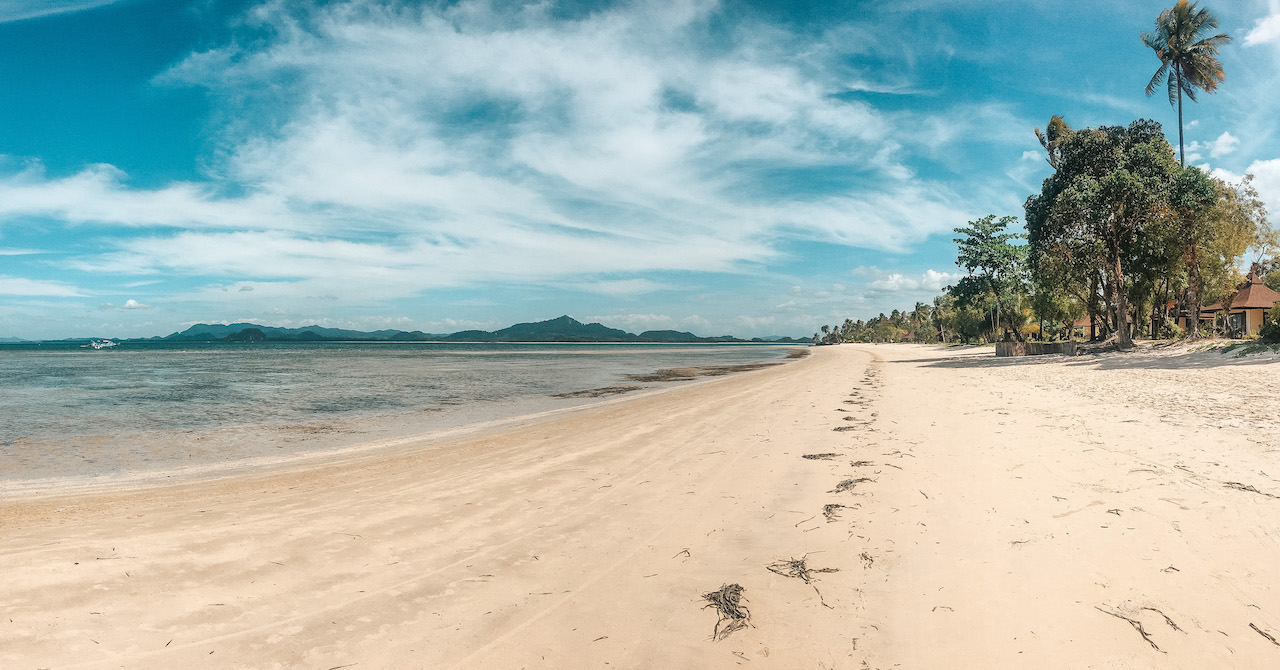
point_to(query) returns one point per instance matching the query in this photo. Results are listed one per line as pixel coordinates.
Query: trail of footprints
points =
(855, 415)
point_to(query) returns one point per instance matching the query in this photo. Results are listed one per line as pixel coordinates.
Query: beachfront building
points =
(1247, 308)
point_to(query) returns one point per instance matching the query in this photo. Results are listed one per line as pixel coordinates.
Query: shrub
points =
(1270, 331)
(1172, 331)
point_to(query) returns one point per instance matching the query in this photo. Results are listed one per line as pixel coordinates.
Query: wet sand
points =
(955, 511)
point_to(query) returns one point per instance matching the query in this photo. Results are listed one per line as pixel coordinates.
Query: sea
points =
(152, 411)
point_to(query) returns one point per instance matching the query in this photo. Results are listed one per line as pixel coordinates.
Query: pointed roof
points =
(1253, 294)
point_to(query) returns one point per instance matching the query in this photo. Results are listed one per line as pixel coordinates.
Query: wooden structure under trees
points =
(1245, 309)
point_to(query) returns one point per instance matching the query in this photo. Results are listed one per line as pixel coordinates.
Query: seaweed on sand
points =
(728, 603)
(848, 484)
(798, 568)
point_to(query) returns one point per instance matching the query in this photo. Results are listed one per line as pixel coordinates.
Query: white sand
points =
(1014, 507)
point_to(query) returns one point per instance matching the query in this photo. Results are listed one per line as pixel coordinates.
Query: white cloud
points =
(34, 287)
(371, 152)
(929, 280)
(1266, 179)
(134, 304)
(1224, 145)
(1265, 31)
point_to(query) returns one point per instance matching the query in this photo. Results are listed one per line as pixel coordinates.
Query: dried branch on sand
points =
(848, 484)
(1265, 634)
(832, 511)
(797, 568)
(1137, 625)
(1248, 488)
(821, 457)
(728, 603)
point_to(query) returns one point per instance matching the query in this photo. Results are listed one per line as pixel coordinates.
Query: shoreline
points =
(393, 431)
(875, 506)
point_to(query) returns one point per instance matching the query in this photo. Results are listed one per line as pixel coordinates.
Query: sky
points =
(749, 167)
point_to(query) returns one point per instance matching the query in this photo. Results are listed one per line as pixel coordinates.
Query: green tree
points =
(1235, 223)
(1111, 183)
(1188, 59)
(1191, 196)
(995, 265)
(1052, 138)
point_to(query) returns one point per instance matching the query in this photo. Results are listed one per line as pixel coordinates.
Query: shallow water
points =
(71, 412)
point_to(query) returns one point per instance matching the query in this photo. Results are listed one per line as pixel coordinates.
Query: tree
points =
(1110, 184)
(1188, 59)
(1052, 138)
(1191, 196)
(994, 265)
(1235, 223)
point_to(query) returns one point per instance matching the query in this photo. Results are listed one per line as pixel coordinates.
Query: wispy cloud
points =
(399, 149)
(18, 10)
(18, 286)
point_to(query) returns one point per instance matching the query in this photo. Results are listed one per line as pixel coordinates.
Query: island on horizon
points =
(560, 329)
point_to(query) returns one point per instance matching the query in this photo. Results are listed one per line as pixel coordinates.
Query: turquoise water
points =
(68, 411)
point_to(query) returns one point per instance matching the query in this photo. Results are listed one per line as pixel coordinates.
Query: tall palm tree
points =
(1179, 43)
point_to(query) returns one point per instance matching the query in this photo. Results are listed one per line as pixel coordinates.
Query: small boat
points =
(99, 344)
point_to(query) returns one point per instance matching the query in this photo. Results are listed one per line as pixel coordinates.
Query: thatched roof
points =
(1253, 294)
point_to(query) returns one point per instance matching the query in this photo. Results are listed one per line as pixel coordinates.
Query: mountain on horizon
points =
(561, 329)
(214, 331)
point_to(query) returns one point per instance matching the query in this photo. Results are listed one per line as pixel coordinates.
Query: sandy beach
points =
(947, 509)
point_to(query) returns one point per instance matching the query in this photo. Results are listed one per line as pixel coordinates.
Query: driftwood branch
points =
(1248, 487)
(1265, 634)
(798, 568)
(1137, 625)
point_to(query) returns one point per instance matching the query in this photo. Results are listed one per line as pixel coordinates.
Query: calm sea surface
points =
(67, 412)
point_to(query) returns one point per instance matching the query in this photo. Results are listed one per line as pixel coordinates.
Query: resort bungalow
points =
(1247, 307)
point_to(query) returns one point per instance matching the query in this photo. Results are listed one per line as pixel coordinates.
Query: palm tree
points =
(1179, 43)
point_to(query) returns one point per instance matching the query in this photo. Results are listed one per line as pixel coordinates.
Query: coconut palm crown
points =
(1188, 59)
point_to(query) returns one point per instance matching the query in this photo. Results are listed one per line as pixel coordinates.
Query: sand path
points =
(1006, 518)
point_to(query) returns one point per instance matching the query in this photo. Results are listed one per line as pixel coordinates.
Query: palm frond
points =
(1157, 78)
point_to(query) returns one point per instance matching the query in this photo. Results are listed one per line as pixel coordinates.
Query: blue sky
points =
(751, 168)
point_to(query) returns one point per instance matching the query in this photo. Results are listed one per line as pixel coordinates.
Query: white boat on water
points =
(99, 344)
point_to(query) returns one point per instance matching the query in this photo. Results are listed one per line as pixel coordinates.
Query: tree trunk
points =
(1092, 307)
(1155, 301)
(1182, 153)
(1121, 300)
(1193, 291)
(1000, 309)
(1108, 304)
(1164, 306)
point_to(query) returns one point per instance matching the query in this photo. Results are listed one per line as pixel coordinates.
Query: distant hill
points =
(562, 329)
(206, 332)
